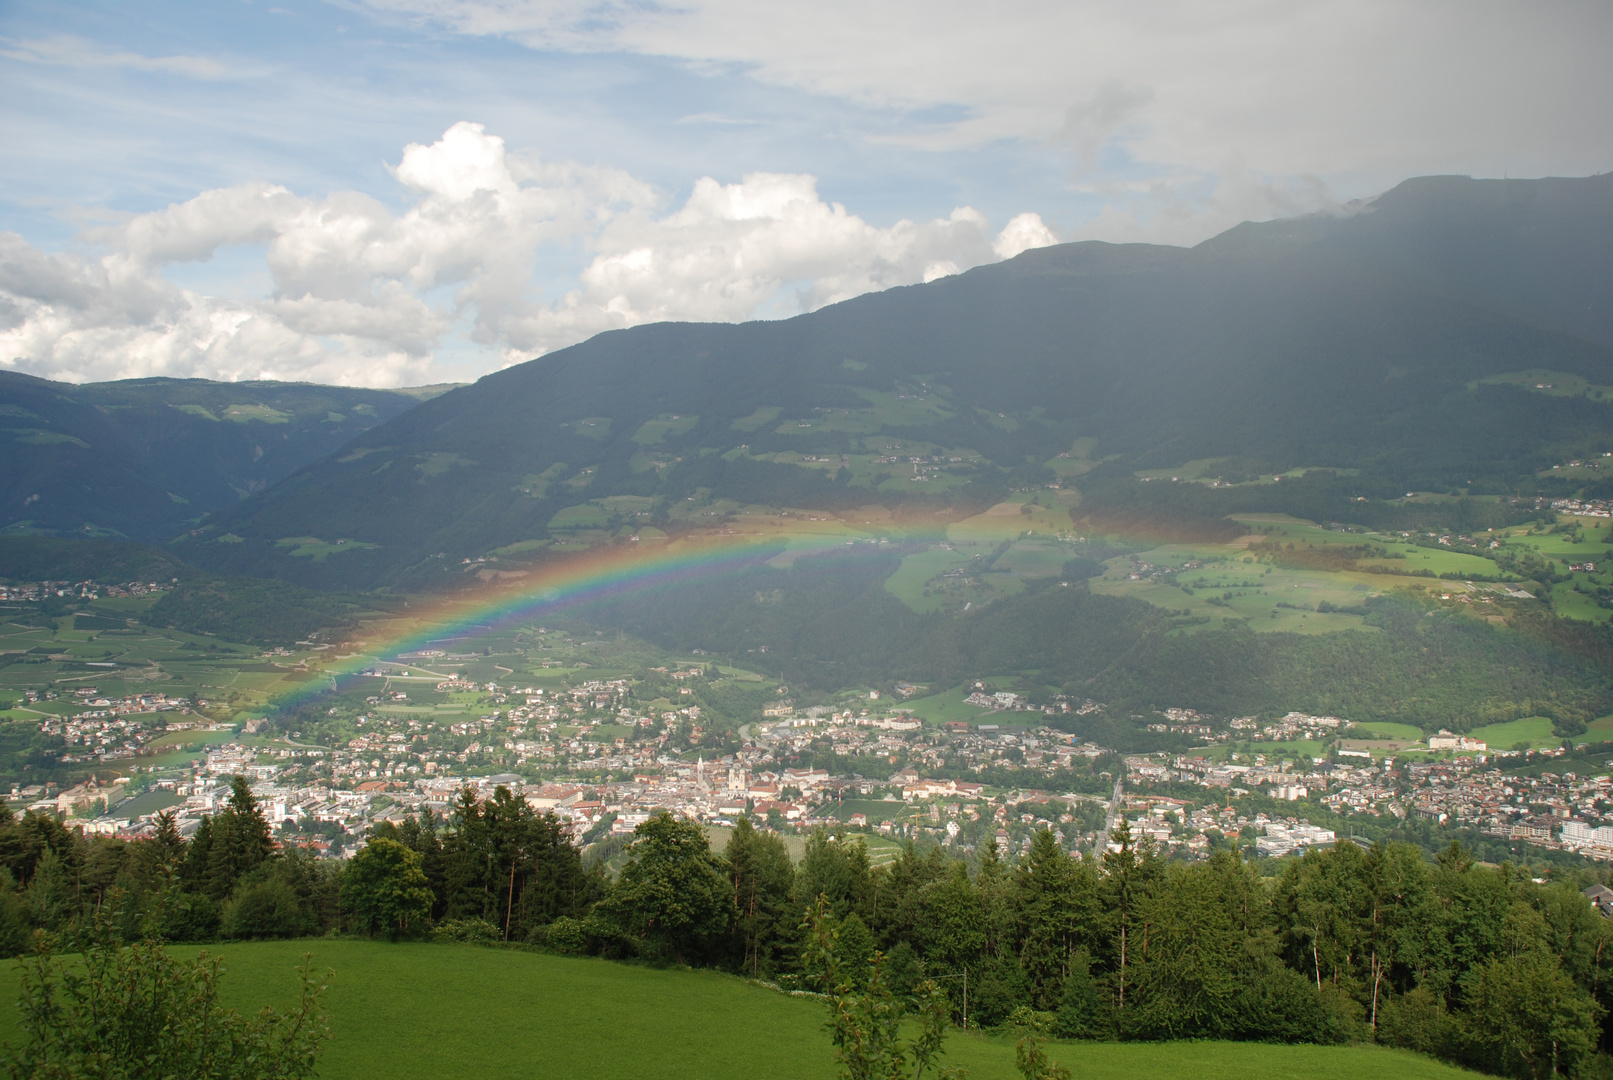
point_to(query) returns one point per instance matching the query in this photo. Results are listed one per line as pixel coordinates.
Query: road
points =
(1114, 808)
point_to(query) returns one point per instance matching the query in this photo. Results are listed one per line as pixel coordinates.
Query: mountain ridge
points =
(1275, 345)
(144, 458)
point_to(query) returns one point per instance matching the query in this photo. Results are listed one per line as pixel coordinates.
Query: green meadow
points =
(311, 547)
(1385, 730)
(430, 1011)
(1534, 730)
(1550, 383)
(948, 706)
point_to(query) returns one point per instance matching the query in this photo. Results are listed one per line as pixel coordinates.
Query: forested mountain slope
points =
(142, 457)
(1401, 345)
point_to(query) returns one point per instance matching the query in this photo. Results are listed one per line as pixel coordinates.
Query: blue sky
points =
(224, 190)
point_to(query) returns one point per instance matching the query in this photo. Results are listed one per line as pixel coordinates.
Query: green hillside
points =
(142, 458)
(429, 1011)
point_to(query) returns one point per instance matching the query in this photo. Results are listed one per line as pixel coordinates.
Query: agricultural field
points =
(1384, 730)
(1280, 575)
(659, 429)
(427, 1011)
(137, 659)
(102, 658)
(311, 547)
(1533, 730)
(946, 707)
(1549, 383)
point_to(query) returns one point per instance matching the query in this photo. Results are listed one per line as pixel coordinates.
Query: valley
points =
(1255, 569)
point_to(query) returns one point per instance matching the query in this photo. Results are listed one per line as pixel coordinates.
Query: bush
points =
(466, 931)
(994, 991)
(1281, 1005)
(608, 939)
(566, 935)
(266, 909)
(1343, 1017)
(1416, 1021)
(138, 1011)
(14, 930)
(185, 916)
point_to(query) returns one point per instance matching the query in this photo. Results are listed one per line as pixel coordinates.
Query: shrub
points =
(186, 916)
(266, 909)
(466, 931)
(138, 1012)
(566, 935)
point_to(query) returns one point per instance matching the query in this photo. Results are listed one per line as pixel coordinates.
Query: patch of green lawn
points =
(430, 1011)
(947, 706)
(1599, 730)
(658, 429)
(311, 547)
(1385, 730)
(583, 516)
(1576, 605)
(242, 414)
(908, 582)
(1534, 730)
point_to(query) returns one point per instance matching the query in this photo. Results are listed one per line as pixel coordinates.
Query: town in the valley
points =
(590, 752)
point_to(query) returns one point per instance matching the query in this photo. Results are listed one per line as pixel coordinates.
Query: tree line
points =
(1478, 964)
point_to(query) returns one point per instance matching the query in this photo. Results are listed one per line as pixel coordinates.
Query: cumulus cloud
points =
(365, 295)
(1022, 233)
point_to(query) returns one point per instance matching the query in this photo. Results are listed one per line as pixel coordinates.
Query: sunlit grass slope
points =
(431, 1011)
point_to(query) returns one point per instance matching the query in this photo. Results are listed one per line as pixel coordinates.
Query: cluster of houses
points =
(794, 768)
(32, 591)
(1583, 507)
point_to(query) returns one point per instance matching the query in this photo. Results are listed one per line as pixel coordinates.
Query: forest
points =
(1479, 964)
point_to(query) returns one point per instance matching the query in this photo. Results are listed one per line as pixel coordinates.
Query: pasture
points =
(1534, 730)
(1387, 730)
(427, 1011)
(948, 706)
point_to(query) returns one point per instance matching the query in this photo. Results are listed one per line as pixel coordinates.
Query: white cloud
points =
(1024, 232)
(1361, 93)
(68, 51)
(365, 295)
(1164, 209)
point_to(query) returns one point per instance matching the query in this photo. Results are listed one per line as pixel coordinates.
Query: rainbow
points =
(552, 588)
(620, 568)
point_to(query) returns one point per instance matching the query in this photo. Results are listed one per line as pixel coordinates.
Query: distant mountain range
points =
(1454, 335)
(146, 458)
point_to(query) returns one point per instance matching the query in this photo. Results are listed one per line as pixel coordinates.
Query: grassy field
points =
(943, 707)
(917, 571)
(427, 1011)
(1215, 583)
(1550, 383)
(1534, 730)
(312, 547)
(1385, 730)
(143, 660)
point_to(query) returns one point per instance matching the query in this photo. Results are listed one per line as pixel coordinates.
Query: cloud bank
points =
(1185, 118)
(363, 295)
(1286, 86)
